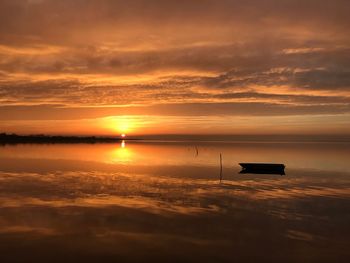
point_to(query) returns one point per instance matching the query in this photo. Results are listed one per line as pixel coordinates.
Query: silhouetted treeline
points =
(16, 139)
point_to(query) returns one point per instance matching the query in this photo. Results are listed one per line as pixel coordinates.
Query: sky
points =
(175, 67)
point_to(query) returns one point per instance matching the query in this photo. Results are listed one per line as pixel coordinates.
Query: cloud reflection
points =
(119, 208)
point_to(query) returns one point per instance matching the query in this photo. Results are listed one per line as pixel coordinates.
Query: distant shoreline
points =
(46, 139)
(8, 139)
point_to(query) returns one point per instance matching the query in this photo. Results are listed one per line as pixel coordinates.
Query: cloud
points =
(175, 57)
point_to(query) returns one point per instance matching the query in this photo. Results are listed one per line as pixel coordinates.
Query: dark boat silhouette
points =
(262, 168)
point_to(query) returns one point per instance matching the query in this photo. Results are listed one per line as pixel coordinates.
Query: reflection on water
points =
(139, 201)
(120, 154)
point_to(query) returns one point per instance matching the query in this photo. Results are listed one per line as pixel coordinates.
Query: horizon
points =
(208, 137)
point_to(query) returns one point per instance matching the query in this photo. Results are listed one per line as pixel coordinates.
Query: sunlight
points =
(120, 124)
(122, 154)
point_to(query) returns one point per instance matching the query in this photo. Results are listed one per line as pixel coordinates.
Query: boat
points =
(262, 168)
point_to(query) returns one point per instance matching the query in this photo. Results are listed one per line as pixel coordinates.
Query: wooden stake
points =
(220, 167)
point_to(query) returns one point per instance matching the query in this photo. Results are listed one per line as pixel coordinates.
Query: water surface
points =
(163, 201)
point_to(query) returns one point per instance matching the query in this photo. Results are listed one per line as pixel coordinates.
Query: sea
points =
(174, 201)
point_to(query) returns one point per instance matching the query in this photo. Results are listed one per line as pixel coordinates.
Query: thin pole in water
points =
(220, 167)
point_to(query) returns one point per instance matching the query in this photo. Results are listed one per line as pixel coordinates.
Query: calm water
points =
(162, 202)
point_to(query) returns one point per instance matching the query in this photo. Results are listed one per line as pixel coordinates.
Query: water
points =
(161, 202)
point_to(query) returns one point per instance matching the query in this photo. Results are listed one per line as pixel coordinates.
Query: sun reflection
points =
(122, 153)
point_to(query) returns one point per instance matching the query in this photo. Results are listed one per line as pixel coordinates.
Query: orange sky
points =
(174, 67)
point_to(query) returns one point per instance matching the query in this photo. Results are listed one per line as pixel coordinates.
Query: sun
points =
(123, 135)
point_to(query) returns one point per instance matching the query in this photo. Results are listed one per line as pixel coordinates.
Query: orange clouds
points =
(201, 57)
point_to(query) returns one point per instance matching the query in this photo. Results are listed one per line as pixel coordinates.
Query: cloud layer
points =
(201, 57)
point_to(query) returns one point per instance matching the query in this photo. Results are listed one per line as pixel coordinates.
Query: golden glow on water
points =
(314, 156)
(122, 154)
